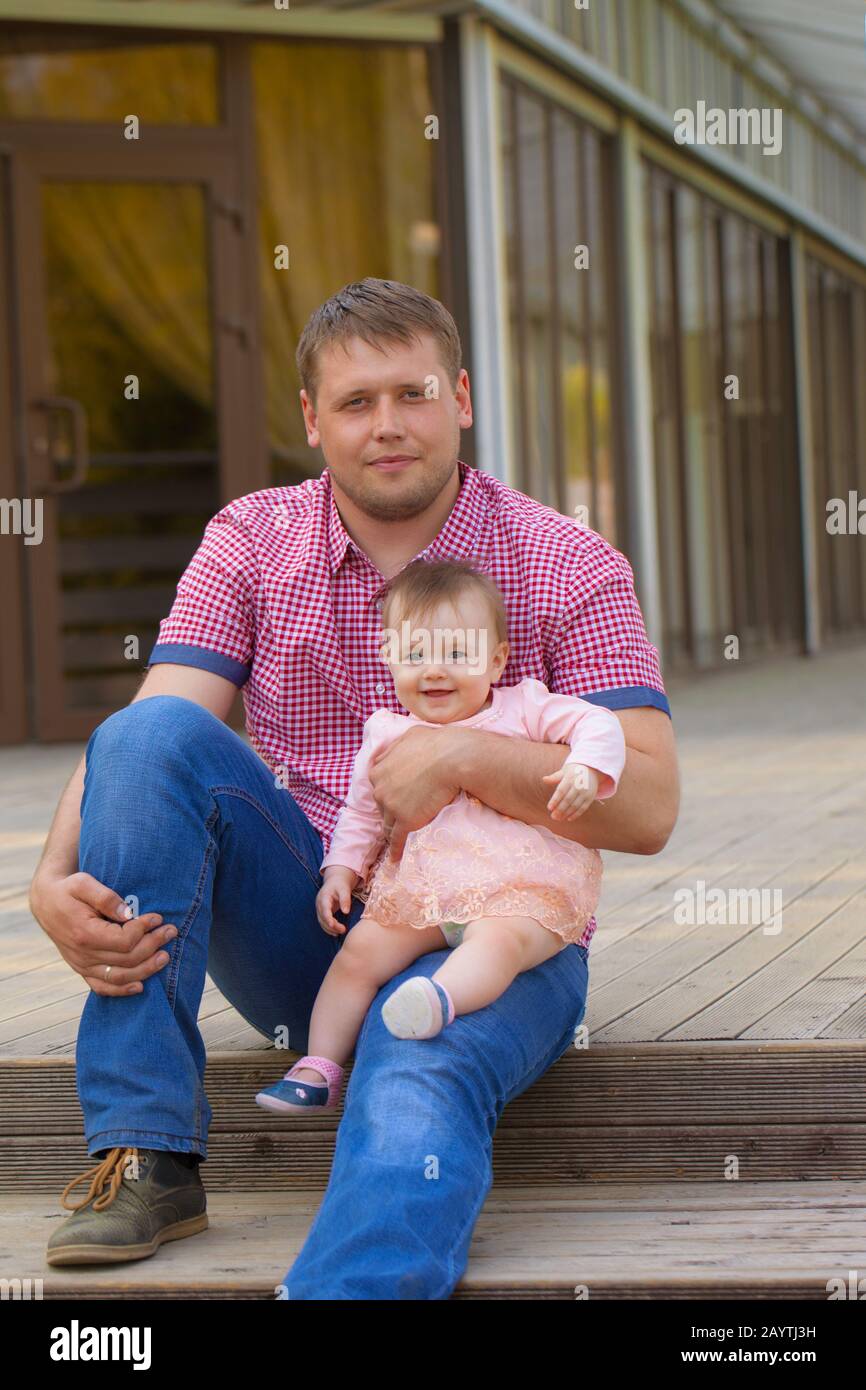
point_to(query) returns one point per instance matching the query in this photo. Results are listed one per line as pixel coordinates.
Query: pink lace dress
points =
(471, 861)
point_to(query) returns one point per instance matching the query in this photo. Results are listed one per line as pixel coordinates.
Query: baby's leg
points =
(369, 957)
(494, 951)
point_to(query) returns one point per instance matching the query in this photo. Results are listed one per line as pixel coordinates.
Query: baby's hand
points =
(335, 892)
(576, 791)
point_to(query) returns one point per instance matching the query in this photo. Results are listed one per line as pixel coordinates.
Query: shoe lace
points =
(109, 1170)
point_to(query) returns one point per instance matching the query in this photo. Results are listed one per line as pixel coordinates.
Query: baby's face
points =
(443, 668)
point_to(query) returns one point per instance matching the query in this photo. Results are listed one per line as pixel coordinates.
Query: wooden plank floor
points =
(774, 799)
(652, 1240)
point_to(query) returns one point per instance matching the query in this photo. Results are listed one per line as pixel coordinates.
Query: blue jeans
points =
(179, 812)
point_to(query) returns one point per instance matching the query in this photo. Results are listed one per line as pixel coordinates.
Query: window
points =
(837, 344)
(723, 422)
(344, 207)
(561, 306)
(63, 78)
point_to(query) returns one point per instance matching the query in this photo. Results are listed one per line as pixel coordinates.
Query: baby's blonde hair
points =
(423, 584)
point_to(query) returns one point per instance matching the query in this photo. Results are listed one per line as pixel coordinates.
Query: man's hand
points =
(414, 778)
(81, 916)
(426, 768)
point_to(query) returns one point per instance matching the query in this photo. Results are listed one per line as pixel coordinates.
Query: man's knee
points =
(150, 730)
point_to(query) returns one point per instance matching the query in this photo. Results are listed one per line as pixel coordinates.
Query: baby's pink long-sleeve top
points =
(528, 710)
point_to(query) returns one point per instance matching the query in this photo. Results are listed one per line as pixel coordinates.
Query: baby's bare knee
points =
(353, 953)
(362, 952)
(523, 937)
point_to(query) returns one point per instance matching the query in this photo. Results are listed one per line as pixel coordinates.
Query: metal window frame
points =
(485, 224)
(838, 450)
(632, 473)
(216, 17)
(776, 215)
(593, 123)
(553, 90)
(625, 98)
(13, 637)
(760, 442)
(220, 156)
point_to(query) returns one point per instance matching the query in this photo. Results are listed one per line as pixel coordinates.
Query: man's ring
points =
(108, 970)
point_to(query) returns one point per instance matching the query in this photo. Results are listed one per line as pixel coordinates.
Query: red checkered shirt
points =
(279, 599)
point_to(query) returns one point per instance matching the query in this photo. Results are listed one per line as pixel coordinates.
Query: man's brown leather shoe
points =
(150, 1197)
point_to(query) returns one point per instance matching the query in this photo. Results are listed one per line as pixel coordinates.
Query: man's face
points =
(388, 423)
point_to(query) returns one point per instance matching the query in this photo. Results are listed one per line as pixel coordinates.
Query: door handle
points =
(80, 447)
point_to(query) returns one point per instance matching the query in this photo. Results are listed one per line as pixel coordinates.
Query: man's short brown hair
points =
(379, 312)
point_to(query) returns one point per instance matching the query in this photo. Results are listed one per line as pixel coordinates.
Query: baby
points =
(505, 895)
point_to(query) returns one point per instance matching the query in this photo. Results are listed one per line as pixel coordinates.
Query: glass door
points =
(125, 343)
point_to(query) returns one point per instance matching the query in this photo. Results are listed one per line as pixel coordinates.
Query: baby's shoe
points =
(294, 1093)
(419, 1008)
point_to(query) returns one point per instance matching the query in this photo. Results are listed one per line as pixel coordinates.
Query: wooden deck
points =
(774, 798)
(720, 1240)
(707, 1040)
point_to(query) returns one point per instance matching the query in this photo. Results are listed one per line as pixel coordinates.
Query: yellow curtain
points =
(126, 263)
(71, 77)
(139, 253)
(345, 179)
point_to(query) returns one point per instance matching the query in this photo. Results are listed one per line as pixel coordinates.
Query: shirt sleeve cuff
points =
(183, 654)
(339, 859)
(629, 697)
(606, 786)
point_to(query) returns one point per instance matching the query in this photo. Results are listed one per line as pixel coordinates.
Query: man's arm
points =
(204, 653)
(637, 820)
(73, 908)
(505, 772)
(600, 650)
(60, 853)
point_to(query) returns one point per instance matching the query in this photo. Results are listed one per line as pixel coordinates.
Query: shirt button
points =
(380, 689)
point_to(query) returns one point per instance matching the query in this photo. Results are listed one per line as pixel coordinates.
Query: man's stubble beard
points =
(373, 501)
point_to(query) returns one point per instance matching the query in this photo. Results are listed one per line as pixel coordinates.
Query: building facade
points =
(665, 331)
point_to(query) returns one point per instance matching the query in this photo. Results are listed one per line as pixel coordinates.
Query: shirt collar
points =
(458, 537)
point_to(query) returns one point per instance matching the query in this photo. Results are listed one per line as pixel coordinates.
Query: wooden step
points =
(614, 1113)
(721, 1240)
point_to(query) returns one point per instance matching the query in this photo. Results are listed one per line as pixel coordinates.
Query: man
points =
(220, 846)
